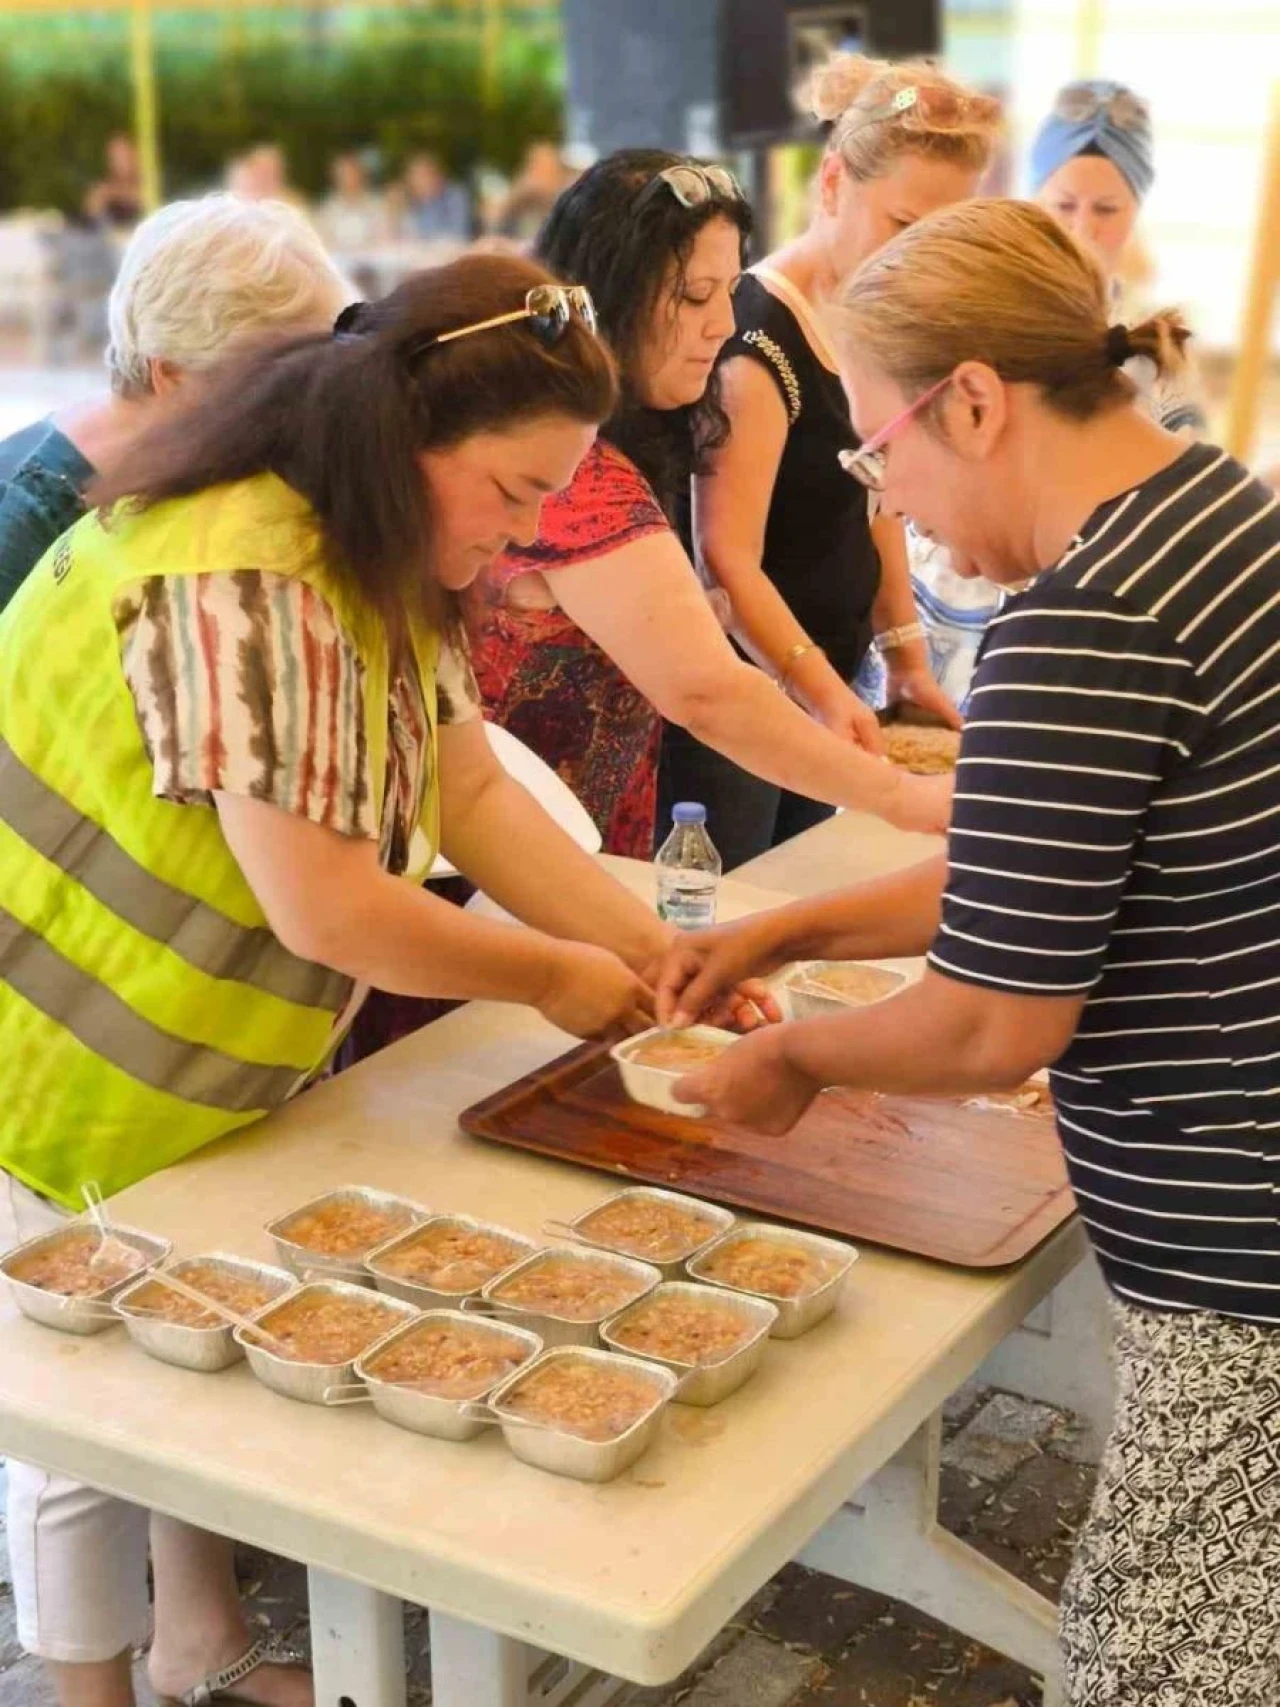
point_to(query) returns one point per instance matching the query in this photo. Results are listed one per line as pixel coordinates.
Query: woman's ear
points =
(165, 376)
(830, 175)
(979, 408)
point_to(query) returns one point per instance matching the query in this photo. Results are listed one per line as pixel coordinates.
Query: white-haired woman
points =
(199, 281)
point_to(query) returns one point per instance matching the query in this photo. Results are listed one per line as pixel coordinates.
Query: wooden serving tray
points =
(977, 1187)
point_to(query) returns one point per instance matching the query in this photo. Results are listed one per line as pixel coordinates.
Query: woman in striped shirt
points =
(1106, 906)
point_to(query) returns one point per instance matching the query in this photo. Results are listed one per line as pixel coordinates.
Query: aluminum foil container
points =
(805, 998)
(702, 1383)
(562, 1330)
(427, 1413)
(416, 1291)
(672, 1268)
(654, 1086)
(309, 1382)
(206, 1350)
(92, 1312)
(795, 1315)
(566, 1454)
(315, 1265)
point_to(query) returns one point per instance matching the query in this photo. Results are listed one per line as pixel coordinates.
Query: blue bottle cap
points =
(689, 812)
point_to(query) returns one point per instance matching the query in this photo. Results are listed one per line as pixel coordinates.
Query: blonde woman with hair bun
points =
(1106, 907)
(811, 579)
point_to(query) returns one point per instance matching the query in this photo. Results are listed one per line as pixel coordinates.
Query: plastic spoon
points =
(217, 1307)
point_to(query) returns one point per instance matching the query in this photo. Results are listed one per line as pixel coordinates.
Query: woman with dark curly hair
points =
(587, 636)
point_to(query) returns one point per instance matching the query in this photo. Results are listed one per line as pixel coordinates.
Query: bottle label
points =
(689, 907)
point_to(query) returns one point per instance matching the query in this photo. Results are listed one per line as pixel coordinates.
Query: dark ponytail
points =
(343, 418)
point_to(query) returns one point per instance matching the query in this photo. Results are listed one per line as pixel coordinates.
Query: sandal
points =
(220, 1685)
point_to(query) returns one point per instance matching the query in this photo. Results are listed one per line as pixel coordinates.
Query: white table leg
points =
(357, 1643)
(888, 1539)
(475, 1667)
(1062, 1353)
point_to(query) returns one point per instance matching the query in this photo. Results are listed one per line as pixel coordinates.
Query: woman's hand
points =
(591, 993)
(753, 1084)
(704, 970)
(913, 684)
(840, 710)
(829, 700)
(921, 803)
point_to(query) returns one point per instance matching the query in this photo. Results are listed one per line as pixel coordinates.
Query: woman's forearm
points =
(745, 717)
(397, 937)
(888, 917)
(550, 883)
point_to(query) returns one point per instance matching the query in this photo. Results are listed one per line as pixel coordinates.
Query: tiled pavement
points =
(1012, 1483)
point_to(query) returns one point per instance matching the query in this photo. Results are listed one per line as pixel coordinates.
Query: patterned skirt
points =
(1174, 1595)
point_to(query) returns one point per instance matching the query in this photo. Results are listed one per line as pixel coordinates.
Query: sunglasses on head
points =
(925, 107)
(1078, 103)
(548, 310)
(694, 185)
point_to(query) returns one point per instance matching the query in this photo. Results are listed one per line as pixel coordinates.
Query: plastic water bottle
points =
(688, 868)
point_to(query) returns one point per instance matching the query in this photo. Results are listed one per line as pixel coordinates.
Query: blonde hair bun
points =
(832, 87)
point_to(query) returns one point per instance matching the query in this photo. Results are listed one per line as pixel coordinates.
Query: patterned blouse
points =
(548, 682)
(245, 683)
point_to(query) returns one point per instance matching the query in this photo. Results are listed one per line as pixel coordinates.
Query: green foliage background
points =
(313, 80)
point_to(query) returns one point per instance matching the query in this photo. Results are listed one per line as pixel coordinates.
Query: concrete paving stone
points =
(1041, 1508)
(1074, 1442)
(10, 1652)
(818, 1613)
(1004, 1434)
(961, 1496)
(908, 1660)
(963, 1403)
(26, 1685)
(754, 1673)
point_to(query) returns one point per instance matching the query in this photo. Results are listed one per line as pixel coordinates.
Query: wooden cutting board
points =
(973, 1186)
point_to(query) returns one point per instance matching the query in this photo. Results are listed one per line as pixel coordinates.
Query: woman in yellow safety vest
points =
(226, 706)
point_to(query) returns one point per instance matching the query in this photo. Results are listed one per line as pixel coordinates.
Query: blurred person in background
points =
(543, 175)
(778, 524)
(1091, 167)
(426, 205)
(353, 216)
(199, 281)
(262, 174)
(587, 633)
(116, 200)
(228, 705)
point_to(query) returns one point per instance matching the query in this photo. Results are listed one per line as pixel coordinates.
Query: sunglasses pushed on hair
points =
(1080, 102)
(694, 185)
(926, 107)
(548, 309)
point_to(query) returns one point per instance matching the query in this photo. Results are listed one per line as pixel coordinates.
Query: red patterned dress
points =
(548, 682)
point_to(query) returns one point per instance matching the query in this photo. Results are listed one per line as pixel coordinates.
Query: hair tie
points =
(1119, 346)
(347, 325)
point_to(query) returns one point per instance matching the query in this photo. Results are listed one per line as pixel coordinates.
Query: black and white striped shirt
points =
(1117, 832)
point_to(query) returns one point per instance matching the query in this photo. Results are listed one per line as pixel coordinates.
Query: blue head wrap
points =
(1128, 146)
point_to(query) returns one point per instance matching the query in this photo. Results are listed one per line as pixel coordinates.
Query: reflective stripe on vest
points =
(204, 937)
(96, 1017)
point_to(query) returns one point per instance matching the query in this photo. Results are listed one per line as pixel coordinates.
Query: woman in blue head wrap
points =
(1091, 168)
(1091, 165)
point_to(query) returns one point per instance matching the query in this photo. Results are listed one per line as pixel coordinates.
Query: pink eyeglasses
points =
(867, 463)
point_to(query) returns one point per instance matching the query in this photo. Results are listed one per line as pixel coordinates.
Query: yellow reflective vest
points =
(146, 1008)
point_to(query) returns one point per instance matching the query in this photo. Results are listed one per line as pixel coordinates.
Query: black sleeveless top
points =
(818, 550)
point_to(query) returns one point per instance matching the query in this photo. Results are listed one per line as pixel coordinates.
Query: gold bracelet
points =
(794, 654)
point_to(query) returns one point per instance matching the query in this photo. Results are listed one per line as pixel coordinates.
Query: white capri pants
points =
(78, 1557)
